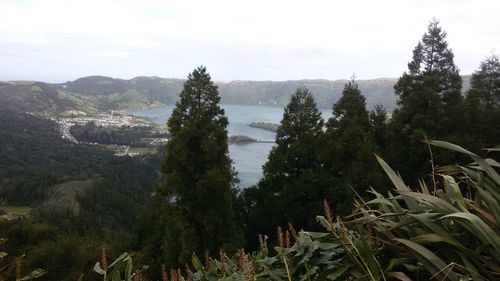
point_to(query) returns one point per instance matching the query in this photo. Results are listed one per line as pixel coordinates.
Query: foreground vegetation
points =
(315, 159)
(448, 231)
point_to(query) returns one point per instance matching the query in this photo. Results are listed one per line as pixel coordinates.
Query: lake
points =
(247, 158)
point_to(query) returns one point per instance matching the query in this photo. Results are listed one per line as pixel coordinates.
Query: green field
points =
(141, 150)
(16, 210)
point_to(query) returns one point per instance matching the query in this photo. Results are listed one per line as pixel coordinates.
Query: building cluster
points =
(106, 120)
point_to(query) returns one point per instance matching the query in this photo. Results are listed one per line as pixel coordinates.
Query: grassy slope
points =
(141, 150)
(16, 210)
(81, 103)
(64, 196)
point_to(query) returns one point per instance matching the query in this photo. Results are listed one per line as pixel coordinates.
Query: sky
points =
(61, 40)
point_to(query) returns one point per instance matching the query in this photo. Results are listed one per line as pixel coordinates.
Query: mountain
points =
(147, 91)
(41, 97)
(111, 93)
(93, 93)
(119, 93)
(326, 93)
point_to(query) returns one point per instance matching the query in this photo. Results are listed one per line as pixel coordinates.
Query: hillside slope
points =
(150, 91)
(93, 93)
(376, 91)
(42, 98)
(40, 169)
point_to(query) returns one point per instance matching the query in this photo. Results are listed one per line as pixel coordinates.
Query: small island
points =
(265, 126)
(240, 139)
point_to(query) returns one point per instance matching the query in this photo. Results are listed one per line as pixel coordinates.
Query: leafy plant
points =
(15, 265)
(448, 231)
(120, 267)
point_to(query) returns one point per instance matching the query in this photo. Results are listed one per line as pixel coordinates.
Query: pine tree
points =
(483, 105)
(379, 121)
(430, 102)
(301, 123)
(485, 83)
(292, 188)
(197, 172)
(349, 150)
(432, 66)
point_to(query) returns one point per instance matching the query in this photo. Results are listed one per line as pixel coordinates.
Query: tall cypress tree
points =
(348, 155)
(485, 83)
(432, 66)
(483, 104)
(379, 121)
(197, 173)
(429, 102)
(292, 188)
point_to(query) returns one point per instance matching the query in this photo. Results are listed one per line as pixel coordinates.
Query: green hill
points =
(111, 93)
(377, 91)
(100, 93)
(38, 97)
(115, 94)
(40, 169)
(141, 92)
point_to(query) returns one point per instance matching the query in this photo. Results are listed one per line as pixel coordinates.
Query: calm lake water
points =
(247, 158)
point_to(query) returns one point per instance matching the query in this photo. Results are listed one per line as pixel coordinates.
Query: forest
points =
(125, 135)
(411, 194)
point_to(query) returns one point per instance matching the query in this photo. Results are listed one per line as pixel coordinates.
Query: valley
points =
(249, 140)
(88, 161)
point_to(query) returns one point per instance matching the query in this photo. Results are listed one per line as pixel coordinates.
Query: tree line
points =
(199, 210)
(196, 207)
(124, 135)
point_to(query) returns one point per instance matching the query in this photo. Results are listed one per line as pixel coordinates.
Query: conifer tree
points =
(349, 148)
(197, 173)
(292, 188)
(483, 105)
(379, 121)
(485, 83)
(429, 102)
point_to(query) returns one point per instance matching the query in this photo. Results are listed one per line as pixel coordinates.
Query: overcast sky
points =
(60, 40)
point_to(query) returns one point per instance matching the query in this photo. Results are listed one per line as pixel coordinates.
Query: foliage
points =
(349, 143)
(432, 66)
(485, 84)
(379, 120)
(197, 173)
(38, 166)
(430, 103)
(115, 268)
(483, 105)
(446, 232)
(293, 173)
(63, 257)
(13, 268)
(445, 227)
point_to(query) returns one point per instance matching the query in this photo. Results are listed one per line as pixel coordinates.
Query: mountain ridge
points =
(108, 93)
(277, 93)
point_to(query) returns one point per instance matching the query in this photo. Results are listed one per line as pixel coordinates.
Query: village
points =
(112, 119)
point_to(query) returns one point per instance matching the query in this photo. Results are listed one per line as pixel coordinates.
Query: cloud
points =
(239, 39)
(111, 54)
